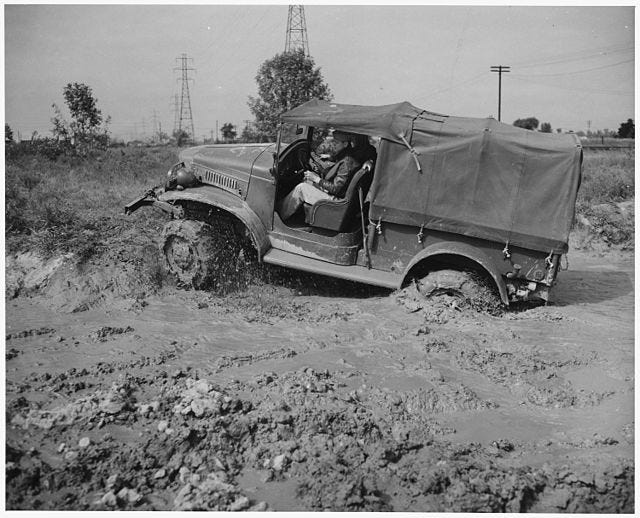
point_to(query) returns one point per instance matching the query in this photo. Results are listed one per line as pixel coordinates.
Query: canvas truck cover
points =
(476, 177)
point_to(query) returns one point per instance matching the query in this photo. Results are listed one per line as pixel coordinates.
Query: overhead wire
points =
(574, 56)
(573, 88)
(465, 82)
(577, 71)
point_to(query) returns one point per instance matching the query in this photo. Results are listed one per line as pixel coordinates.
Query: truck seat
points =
(339, 214)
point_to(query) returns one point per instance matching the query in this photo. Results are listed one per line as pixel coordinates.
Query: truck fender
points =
(464, 250)
(220, 199)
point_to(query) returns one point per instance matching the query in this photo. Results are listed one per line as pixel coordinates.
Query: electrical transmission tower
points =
(175, 107)
(296, 31)
(184, 121)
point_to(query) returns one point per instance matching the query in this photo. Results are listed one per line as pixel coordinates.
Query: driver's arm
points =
(319, 165)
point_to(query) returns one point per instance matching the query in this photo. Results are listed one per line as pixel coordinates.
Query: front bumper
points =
(150, 198)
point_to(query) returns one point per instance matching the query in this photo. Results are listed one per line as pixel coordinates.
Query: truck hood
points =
(224, 158)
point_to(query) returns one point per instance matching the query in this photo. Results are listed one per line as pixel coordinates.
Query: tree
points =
(529, 123)
(87, 126)
(545, 127)
(228, 131)
(285, 81)
(8, 134)
(181, 136)
(627, 129)
(251, 134)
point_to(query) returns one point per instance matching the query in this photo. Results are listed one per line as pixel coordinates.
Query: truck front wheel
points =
(199, 255)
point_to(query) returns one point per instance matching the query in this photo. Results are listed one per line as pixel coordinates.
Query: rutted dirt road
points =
(314, 395)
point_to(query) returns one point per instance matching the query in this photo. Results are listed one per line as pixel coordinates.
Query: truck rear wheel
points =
(467, 286)
(199, 255)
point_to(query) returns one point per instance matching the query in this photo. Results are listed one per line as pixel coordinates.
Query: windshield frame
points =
(299, 132)
(289, 133)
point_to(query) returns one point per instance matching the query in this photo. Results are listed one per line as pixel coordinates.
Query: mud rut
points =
(316, 395)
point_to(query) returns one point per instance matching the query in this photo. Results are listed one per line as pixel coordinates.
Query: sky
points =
(571, 66)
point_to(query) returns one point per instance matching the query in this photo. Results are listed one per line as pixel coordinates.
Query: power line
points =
(573, 88)
(471, 80)
(577, 71)
(574, 56)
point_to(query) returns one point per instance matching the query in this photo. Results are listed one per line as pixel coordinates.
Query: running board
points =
(351, 272)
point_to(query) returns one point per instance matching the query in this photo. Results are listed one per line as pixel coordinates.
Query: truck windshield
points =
(290, 133)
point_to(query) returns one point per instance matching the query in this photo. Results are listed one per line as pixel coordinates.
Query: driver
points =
(330, 184)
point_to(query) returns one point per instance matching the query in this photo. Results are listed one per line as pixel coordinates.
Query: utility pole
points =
(500, 69)
(185, 121)
(296, 31)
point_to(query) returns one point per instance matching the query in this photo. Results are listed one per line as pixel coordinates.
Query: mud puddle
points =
(292, 399)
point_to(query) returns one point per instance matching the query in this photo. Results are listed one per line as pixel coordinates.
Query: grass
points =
(76, 204)
(608, 178)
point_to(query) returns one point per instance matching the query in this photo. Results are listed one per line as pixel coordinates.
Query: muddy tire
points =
(469, 287)
(199, 255)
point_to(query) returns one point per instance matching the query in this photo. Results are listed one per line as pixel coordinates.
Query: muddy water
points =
(471, 412)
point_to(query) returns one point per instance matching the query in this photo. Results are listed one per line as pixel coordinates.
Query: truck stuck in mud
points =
(447, 203)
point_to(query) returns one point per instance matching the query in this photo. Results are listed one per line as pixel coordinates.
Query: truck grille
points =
(218, 179)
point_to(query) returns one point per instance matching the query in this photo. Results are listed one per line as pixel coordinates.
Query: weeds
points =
(603, 211)
(74, 204)
(607, 176)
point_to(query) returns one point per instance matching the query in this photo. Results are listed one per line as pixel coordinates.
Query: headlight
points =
(174, 169)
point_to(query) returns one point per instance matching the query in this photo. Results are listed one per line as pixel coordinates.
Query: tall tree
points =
(545, 127)
(627, 129)
(529, 123)
(285, 81)
(86, 126)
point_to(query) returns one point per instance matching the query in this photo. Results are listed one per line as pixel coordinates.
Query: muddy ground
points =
(303, 393)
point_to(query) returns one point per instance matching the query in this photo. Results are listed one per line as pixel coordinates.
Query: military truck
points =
(444, 201)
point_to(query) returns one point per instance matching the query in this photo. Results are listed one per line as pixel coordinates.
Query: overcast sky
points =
(569, 65)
